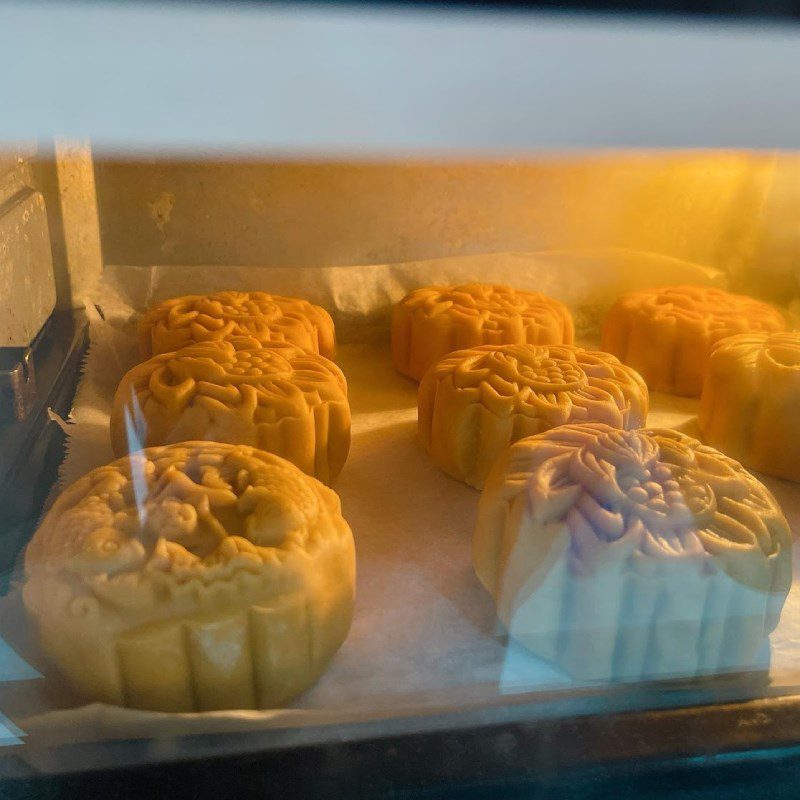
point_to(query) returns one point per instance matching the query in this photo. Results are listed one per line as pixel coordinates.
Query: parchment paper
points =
(424, 633)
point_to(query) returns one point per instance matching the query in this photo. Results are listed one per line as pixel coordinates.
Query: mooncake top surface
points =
(648, 494)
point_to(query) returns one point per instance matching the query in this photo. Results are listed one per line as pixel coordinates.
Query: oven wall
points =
(63, 171)
(27, 281)
(718, 209)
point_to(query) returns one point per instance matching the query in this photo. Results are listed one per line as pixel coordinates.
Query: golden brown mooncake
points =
(750, 406)
(432, 322)
(667, 334)
(474, 403)
(175, 323)
(276, 398)
(631, 554)
(192, 577)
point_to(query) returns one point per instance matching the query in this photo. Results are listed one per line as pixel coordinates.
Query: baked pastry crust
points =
(750, 399)
(667, 334)
(432, 322)
(631, 554)
(474, 403)
(276, 398)
(175, 323)
(192, 577)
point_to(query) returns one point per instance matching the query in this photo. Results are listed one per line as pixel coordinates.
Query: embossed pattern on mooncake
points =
(432, 322)
(631, 554)
(474, 403)
(192, 577)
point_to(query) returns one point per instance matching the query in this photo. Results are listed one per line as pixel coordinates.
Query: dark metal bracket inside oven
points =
(18, 377)
(17, 383)
(30, 447)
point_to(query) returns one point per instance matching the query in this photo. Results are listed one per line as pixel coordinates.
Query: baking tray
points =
(513, 739)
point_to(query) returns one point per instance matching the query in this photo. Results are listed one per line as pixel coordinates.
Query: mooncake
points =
(276, 398)
(175, 323)
(667, 334)
(625, 555)
(432, 322)
(750, 403)
(474, 403)
(192, 577)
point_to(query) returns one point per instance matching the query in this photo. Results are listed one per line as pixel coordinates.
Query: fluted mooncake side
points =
(631, 554)
(474, 403)
(192, 577)
(431, 322)
(750, 401)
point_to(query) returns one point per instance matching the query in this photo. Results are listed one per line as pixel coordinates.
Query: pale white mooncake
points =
(667, 334)
(181, 321)
(434, 321)
(474, 403)
(275, 397)
(631, 554)
(192, 577)
(750, 406)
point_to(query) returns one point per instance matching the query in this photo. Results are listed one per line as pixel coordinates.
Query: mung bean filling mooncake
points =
(275, 397)
(181, 321)
(632, 554)
(431, 322)
(751, 399)
(474, 403)
(192, 577)
(667, 334)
